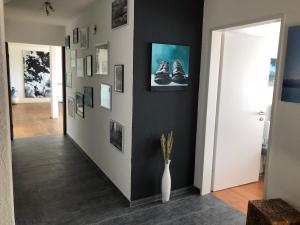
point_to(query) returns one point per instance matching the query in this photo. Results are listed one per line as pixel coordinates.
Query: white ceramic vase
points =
(166, 183)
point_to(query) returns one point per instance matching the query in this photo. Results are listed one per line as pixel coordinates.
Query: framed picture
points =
(101, 61)
(119, 13)
(67, 41)
(37, 81)
(71, 107)
(291, 76)
(119, 78)
(105, 96)
(88, 97)
(116, 135)
(75, 36)
(80, 67)
(84, 37)
(89, 66)
(169, 67)
(73, 58)
(79, 104)
(69, 79)
(272, 72)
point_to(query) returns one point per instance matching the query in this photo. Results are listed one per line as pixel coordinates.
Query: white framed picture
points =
(80, 67)
(89, 67)
(84, 37)
(73, 58)
(71, 107)
(102, 59)
(105, 96)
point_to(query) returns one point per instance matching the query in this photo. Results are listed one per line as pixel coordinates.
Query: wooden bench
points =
(272, 212)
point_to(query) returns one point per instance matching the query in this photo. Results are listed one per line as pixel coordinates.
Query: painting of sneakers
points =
(169, 67)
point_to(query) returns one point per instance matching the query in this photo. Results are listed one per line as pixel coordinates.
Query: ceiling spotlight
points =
(47, 6)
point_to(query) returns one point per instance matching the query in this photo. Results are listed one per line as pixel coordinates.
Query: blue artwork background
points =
(272, 72)
(170, 53)
(291, 76)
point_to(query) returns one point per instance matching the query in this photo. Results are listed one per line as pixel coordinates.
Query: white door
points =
(239, 129)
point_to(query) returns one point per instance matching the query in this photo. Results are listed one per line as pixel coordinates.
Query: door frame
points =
(64, 94)
(212, 99)
(9, 93)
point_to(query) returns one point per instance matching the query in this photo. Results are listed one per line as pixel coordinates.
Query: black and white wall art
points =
(89, 66)
(67, 41)
(75, 35)
(84, 37)
(37, 82)
(101, 61)
(119, 78)
(116, 135)
(79, 104)
(71, 107)
(119, 13)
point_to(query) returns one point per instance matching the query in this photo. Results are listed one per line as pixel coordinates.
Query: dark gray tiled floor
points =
(54, 184)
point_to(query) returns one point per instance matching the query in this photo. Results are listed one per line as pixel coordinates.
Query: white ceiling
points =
(271, 30)
(31, 10)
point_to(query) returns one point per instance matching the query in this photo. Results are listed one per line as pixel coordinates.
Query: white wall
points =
(92, 132)
(6, 187)
(17, 69)
(34, 33)
(284, 156)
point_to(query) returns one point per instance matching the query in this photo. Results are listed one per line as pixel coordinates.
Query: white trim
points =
(205, 182)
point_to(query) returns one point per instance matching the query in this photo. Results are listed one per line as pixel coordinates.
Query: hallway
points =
(55, 184)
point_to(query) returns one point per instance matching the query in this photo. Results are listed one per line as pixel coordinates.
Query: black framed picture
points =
(75, 36)
(79, 104)
(119, 78)
(170, 67)
(67, 42)
(119, 13)
(89, 66)
(116, 135)
(88, 97)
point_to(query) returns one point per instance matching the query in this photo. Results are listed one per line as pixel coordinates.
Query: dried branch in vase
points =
(166, 145)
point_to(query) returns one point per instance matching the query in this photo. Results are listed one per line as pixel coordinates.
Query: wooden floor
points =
(238, 197)
(35, 120)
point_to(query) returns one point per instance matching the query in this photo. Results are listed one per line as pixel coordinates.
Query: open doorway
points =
(36, 89)
(242, 79)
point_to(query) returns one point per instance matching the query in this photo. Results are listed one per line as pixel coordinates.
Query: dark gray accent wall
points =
(174, 22)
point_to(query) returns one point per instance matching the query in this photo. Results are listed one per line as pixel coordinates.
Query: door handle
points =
(261, 113)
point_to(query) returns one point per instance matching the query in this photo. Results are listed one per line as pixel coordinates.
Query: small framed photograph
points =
(119, 78)
(75, 35)
(67, 42)
(84, 37)
(79, 104)
(88, 97)
(80, 67)
(119, 13)
(89, 66)
(71, 107)
(101, 61)
(117, 135)
(73, 58)
(105, 96)
(69, 79)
